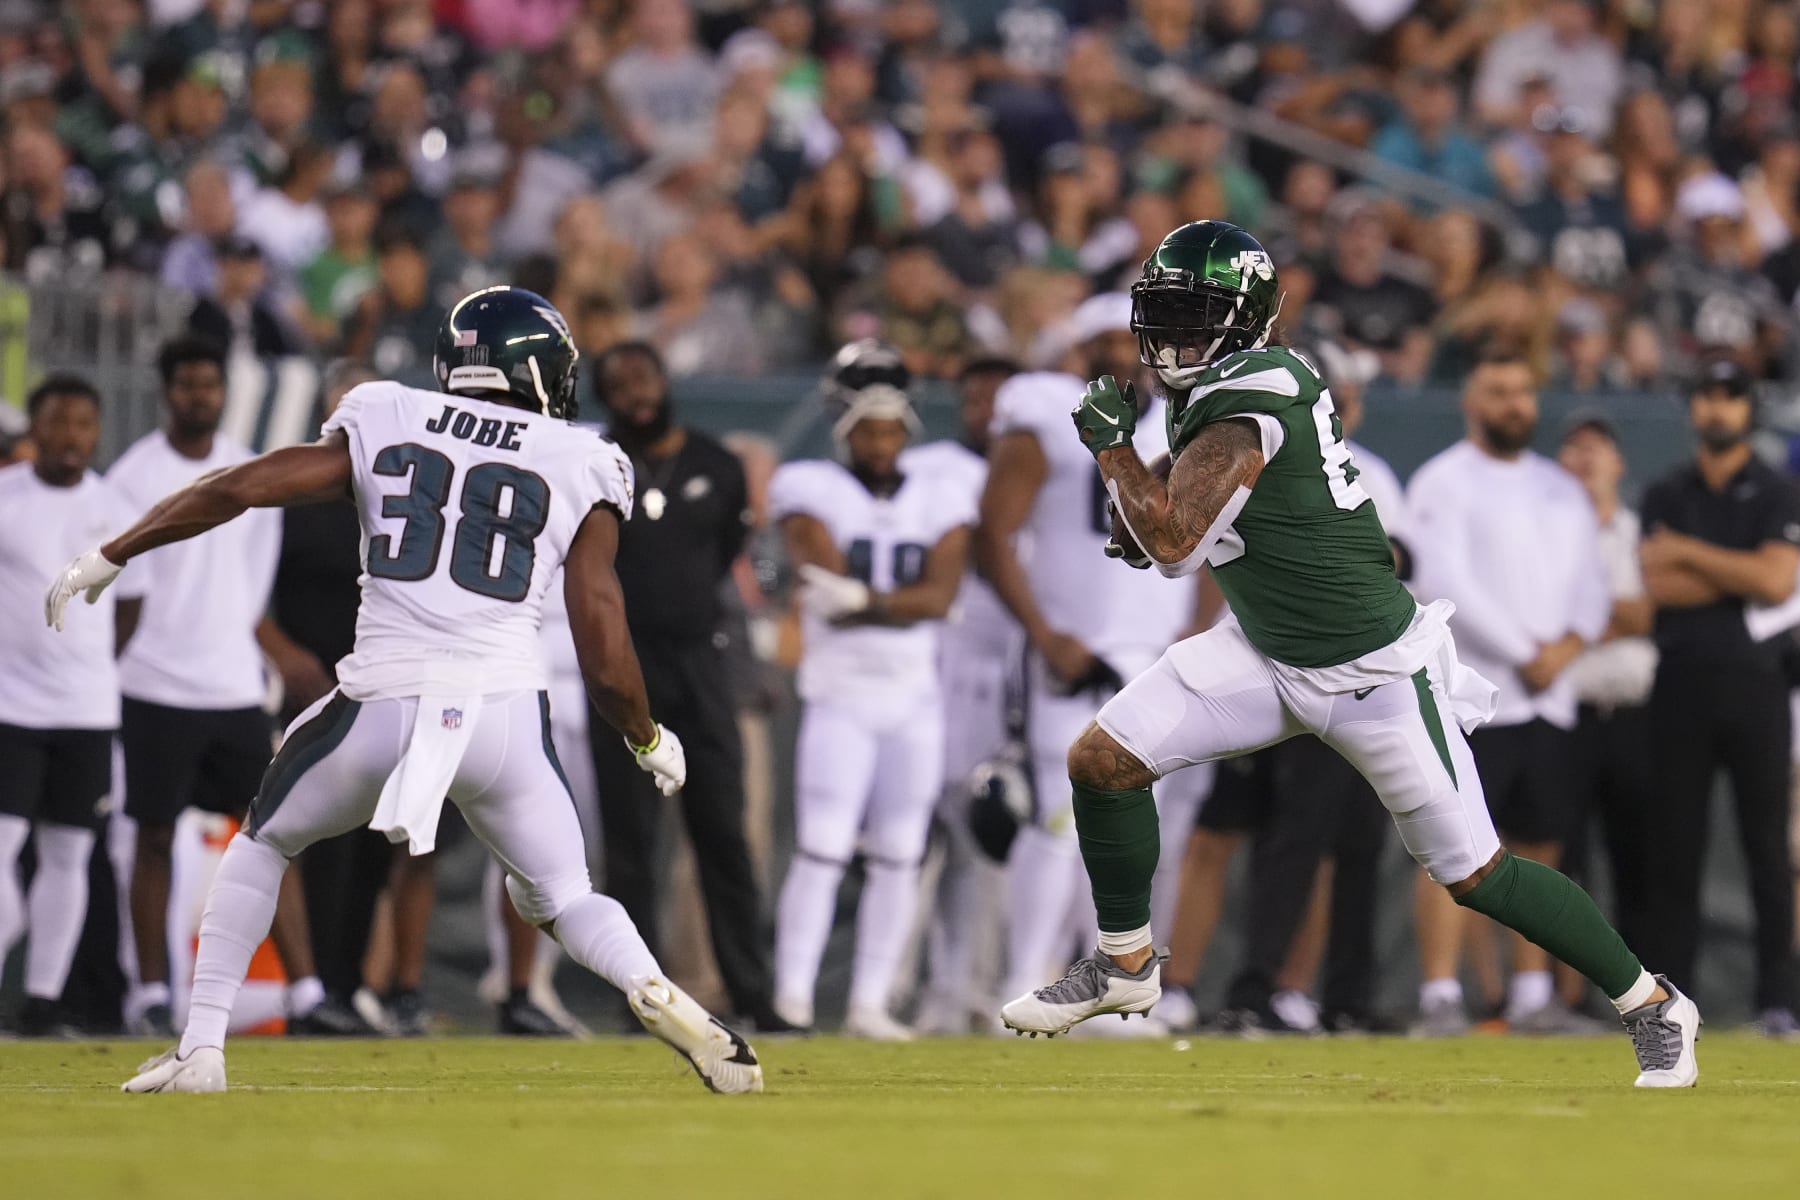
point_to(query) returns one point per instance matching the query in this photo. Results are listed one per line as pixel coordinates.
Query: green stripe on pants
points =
(299, 754)
(1434, 724)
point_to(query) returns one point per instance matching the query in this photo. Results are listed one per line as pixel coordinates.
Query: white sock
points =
(1528, 992)
(1041, 878)
(1440, 991)
(58, 906)
(803, 924)
(239, 910)
(1639, 994)
(884, 918)
(148, 995)
(304, 995)
(598, 934)
(1115, 944)
(13, 832)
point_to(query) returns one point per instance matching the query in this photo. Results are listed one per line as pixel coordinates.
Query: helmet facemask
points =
(1184, 328)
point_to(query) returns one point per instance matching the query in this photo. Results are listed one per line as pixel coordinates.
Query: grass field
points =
(1339, 1118)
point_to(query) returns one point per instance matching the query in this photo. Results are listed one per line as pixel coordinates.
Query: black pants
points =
(1611, 781)
(1704, 716)
(342, 878)
(689, 692)
(1320, 806)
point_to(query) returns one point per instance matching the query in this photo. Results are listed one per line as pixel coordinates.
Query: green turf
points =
(512, 1121)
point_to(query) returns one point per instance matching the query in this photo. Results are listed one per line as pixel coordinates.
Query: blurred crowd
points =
(1608, 185)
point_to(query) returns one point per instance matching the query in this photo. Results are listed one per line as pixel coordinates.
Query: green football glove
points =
(1107, 415)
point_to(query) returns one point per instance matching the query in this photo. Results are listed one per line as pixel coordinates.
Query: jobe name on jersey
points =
(885, 542)
(466, 520)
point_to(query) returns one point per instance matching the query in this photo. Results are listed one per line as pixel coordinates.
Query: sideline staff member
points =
(674, 555)
(1723, 534)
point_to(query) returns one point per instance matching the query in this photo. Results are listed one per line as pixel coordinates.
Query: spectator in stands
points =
(1075, 230)
(336, 279)
(665, 84)
(1723, 532)
(180, 120)
(288, 219)
(1612, 759)
(1511, 539)
(782, 304)
(462, 252)
(281, 114)
(1567, 45)
(1198, 146)
(1580, 227)
(747, 165)
(916, 313)
(831, 229)
(1164, 35)
(1299, 228)
(699, 328)
(395, 325)
(1362, 303)
(1584, 352)
(1707, 293)
(847, 119)
(975, 242)
(591, 258)
(236, 313)
(191, 263)
(53, 211)
(1427, 138)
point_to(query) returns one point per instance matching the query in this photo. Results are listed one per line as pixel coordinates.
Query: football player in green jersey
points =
(1322, 638)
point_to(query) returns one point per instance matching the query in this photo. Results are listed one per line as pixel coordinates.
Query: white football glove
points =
(664, 758)
(828, 595)
(90, 573)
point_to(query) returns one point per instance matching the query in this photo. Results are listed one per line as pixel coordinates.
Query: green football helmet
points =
(1208, 290)
(506, 339)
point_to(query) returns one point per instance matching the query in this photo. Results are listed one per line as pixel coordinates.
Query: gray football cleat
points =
(1663, 1035)
(1093, 987)
(1441, 1019)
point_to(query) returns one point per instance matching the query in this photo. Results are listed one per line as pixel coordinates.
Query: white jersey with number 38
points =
(468, 509)
(885, 542)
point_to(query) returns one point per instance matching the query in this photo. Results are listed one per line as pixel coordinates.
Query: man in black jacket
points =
(675, 555)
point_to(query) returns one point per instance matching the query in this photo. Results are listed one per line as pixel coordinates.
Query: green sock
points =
(1546, 907)
(1120, 843)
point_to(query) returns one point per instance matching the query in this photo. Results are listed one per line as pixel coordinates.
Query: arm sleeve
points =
(791, 491)
(1654, 510)
(1258, 394)
(349, 412)
(1020, 406)
(1444, 570)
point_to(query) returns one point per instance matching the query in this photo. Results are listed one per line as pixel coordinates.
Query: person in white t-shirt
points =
(473, 501)
(191, 673)
(59, 697)
(1510, 538)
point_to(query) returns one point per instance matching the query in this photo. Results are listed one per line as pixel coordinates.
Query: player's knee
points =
(541, 901)
(1098, 761)
(1460, 889)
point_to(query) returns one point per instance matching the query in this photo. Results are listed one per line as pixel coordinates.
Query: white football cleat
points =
(723, 1060)
(201, 1071)
(798, 1013)
(875, 1025)
(1093, 987)
(1663, 1035)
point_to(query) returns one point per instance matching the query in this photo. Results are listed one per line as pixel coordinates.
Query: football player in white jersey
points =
(470, 504)
(880, 554)
(1044, 517)
(978, 664)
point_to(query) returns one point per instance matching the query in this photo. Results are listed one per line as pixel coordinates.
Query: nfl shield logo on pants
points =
(453, 718)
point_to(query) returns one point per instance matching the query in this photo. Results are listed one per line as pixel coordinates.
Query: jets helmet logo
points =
(1247, 262)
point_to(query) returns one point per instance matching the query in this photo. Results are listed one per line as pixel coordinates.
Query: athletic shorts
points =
(1526, 772)
(179, 758)
(59, 775)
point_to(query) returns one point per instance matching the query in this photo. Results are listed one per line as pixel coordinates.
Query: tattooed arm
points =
(1177, 522)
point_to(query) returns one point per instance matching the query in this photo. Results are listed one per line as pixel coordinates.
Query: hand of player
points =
(303, 677)
(1119, 544)
(830, 596)
(1068, 659)
(663, 758)
(1552, 659)
(1107, 414)
(88, 574)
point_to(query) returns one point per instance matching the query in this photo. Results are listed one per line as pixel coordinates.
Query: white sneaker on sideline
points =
(798, 1013)
(1176, 1009)
(723, 1060)
(1091, 988)
(201, 1071)
(875, 1025)
(1663, 1035)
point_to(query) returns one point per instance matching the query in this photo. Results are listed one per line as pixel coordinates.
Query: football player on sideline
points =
(1323, 638)
(444, 693)
(880, 554)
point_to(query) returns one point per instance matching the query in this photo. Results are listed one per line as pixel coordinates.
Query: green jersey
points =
(1305, 564)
